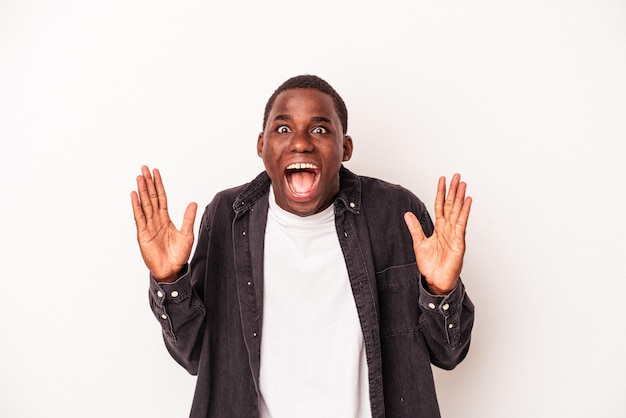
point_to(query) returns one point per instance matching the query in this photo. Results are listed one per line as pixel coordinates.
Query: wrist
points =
(170, 277)
(438, 291)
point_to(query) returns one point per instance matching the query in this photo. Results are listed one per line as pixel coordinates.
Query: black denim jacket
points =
(212, 316)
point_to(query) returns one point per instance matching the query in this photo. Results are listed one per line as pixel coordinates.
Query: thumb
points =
(415, 228)
(189, 218)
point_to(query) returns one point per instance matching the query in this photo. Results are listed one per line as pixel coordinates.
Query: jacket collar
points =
(349, 192)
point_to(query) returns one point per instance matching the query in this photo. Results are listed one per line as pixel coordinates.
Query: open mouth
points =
(302, 178)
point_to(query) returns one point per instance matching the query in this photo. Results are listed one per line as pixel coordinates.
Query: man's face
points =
(302, 148)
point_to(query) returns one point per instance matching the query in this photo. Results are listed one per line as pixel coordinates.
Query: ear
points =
(347, 148)
(259, 145)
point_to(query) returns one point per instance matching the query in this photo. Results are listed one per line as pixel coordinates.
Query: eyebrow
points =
(283, 117)
(320, 119)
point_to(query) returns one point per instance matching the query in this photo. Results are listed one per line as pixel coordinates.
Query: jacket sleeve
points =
(447, 323)
(179, 308)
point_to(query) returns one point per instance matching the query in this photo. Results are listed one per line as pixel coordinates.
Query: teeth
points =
(300, 166)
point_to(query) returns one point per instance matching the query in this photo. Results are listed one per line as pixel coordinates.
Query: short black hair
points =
(310, 82)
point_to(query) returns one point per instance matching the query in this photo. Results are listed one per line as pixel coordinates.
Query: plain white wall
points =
(526, 99)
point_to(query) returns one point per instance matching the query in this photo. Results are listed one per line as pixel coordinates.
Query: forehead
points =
(304, 102)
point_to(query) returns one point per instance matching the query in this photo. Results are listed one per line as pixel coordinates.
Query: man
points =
(312, 291)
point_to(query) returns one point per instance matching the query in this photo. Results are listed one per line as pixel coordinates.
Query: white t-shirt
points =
(313, 360)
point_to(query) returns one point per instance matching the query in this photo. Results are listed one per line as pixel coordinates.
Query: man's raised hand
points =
(164, 249)
(440, 256)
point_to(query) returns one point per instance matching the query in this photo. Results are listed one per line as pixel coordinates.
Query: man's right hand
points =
(164, 249)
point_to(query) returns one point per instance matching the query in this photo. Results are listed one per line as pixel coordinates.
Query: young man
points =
(313, 292)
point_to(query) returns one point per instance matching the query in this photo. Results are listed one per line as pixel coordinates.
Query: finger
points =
(140, 218)
(454, 184)
(440, 198)
(464, 214)
(144, 197)
(461, 223)
(160, 190)
(189, 218)
(415, 228)
(458, 202)
(152, 194)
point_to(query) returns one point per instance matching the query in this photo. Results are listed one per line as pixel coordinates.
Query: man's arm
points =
(165, 251)
(447, 312)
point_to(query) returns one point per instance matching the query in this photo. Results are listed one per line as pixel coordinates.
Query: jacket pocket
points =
(398, 296)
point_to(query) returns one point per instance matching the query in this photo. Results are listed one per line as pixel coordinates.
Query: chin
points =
(303, 210)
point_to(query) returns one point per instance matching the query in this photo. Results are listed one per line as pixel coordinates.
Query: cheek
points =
(270, 161)
(269, 154)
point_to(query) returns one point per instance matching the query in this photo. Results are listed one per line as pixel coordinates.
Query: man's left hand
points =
(440, 256)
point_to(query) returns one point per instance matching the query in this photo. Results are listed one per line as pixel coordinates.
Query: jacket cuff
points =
(447, 307)
(164, 295)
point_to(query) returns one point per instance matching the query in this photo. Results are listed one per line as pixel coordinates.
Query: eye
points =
(283, 129)
(319, 130)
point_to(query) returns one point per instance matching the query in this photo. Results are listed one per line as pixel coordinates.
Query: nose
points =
(301, 142)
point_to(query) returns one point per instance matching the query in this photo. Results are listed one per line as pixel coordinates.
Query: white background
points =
(526, 99)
